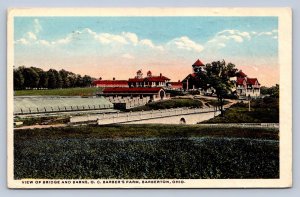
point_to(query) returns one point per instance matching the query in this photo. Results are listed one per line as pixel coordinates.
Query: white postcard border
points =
(285, 60)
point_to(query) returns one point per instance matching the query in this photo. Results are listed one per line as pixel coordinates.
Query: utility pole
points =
(249, 102)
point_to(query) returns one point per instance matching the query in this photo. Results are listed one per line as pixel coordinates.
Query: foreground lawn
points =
(59, 92)
(167, 104)
(146, 151)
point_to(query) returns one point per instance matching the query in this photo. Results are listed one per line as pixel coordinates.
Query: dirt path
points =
(231, 101)
(40, 126)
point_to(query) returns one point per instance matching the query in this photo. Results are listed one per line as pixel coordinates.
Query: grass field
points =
(167, 104)
(262, 111)
(59, 92)
(146, 151)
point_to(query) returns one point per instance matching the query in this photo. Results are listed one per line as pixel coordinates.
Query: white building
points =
(246, 86)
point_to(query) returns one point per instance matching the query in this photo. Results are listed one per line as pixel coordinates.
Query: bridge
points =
(165, 116)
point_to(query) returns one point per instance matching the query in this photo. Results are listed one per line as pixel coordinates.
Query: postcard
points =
(149, 98)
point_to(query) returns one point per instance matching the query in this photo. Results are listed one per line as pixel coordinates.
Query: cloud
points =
(265, 33)
(233, 34)
(65, 40)
(149, 43)
(37, 26)
(132, 37)
(229, 37)
(106, 38)
(22, 41)
(87, 35)
(186, 43)
(221, 45)
(128, 56)
(273, 34)
(31, 36)
(44, 42)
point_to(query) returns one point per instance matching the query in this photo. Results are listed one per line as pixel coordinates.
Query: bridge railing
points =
(139, 115)
(144, 115)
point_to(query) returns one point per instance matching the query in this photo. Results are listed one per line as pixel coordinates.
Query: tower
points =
(198, 66)
(139, 74)
(149, 74)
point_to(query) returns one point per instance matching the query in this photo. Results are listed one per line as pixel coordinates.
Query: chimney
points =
(160, 74)
(178, 80)
(114, 78)
(100, 78)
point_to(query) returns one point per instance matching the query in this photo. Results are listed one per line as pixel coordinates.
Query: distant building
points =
(148, 81)
(175, 85)
(246, 86)
(154, 93)
(190, 82)
(110, 83)
(139, 81)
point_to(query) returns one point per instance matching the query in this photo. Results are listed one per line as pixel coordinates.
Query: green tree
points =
(264, 90)
(51, 79)
(87, 81)
(274, 91)
(18, 79)
(44, 79)
(72, 79)
(37, 70)
(43, 82)
(59, 81)
(79, 81)
(65, 78)
(217, 75)
(31, 78)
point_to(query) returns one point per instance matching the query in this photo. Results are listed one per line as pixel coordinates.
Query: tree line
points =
(37, 78)
(272, 91)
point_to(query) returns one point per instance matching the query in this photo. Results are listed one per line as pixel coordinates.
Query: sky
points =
(117, 47)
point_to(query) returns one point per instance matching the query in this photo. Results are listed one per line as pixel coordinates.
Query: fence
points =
(45, 104)
(270, 125)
